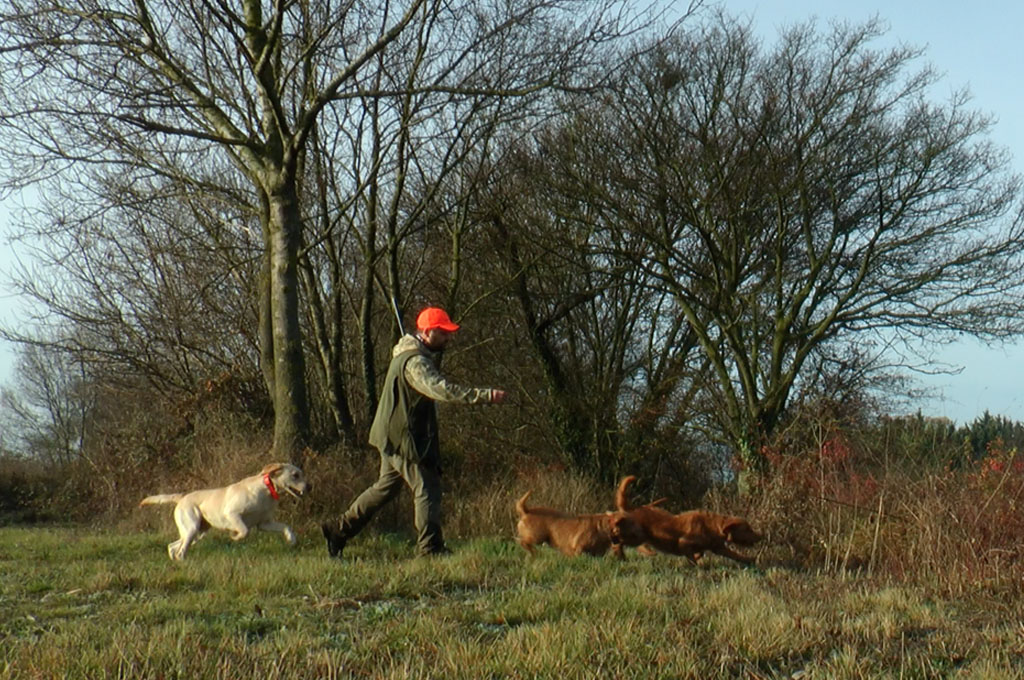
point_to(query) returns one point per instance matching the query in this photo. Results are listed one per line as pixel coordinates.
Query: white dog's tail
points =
(161, 499)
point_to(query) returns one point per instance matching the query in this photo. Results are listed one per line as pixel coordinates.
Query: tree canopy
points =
(785, 206)
(673, 238)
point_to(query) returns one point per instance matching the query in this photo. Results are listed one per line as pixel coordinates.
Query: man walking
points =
(405, 433)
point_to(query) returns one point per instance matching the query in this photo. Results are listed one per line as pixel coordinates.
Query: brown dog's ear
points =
(731, 526)
(271, 468)
(615, 520)
(736, 530)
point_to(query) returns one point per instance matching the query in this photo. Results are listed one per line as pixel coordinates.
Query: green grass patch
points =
(90, 604)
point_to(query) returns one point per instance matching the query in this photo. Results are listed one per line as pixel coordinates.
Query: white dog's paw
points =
(289, 536)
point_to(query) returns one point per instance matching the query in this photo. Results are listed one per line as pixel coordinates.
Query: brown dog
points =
(689, 534)
(573, 534)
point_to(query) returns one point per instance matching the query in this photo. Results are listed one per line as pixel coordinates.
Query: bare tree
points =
(796, 200)
(404, 167)
(44, 415)
(615, 353)
(144, 283)
(167, 85)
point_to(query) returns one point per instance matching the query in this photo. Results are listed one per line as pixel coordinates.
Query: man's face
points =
(436, 339)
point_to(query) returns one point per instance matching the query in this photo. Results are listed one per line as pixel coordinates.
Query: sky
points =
(976, 45)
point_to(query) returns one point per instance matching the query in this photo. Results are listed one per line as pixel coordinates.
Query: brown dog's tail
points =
(521, 504)
(621, 499)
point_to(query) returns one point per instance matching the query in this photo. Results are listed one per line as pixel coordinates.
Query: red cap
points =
(435, 317)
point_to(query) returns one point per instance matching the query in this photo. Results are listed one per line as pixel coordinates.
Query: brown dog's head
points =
(624, 529)
(740, 532)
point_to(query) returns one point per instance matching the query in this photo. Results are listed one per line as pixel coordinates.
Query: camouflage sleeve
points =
(423, 376)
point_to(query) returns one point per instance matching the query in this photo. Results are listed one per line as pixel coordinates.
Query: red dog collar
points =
(270, 486)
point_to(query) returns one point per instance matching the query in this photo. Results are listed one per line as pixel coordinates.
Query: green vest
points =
(406, 421)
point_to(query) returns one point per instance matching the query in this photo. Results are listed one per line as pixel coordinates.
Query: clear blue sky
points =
(974, 44)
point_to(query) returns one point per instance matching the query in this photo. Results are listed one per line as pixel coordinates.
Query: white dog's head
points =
(287, 477)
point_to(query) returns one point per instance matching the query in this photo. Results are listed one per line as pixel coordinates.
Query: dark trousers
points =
(425, 483)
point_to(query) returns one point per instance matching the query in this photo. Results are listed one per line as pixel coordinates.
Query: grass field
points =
(81, 603)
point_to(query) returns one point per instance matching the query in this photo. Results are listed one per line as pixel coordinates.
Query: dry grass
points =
(88, 604)
(958, 532)
(866, 572)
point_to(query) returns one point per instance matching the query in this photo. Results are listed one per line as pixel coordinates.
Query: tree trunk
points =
(291, 406)
(265, 332)
(366, 345)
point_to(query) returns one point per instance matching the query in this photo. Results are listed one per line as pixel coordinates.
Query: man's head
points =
(435, 328)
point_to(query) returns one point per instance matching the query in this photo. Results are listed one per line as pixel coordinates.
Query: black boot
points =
(439, 551)
(336, 540)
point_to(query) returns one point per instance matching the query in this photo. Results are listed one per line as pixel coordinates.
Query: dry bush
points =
(962, 529)
(834, 499)
(815, 506)
(473, 510)
(338, 475)
(36, 492)
(140, 451)
(215, 457)
(835, 508)
(25, 486)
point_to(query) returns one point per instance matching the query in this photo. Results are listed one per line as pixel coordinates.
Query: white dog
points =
(239, 507)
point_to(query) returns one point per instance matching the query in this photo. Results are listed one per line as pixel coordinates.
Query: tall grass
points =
(98, 604)
(957, 531)
(871, 568)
